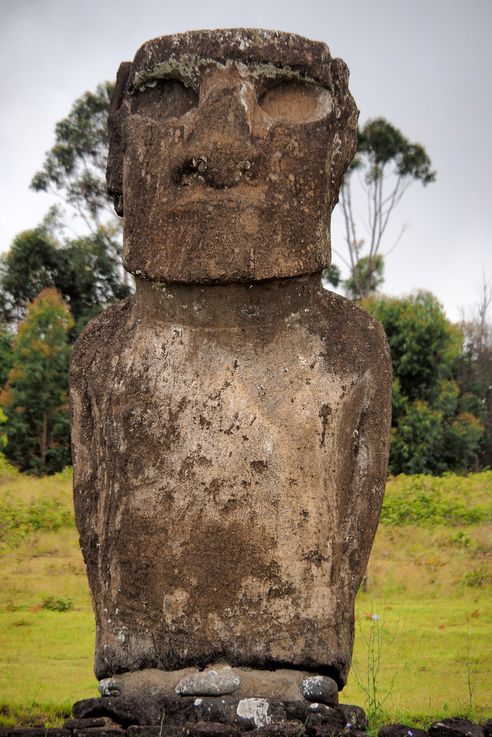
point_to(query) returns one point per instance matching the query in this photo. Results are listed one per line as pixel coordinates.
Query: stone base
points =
(219, 700)
(220, 715)
(319, 723)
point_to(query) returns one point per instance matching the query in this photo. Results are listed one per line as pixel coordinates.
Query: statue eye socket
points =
(296, 102)
(164, 98)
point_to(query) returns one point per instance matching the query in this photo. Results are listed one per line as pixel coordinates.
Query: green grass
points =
(429, 582)
(450, 500)
(430, 649)
(29, 504)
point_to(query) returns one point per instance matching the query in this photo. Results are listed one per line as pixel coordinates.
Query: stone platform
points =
(327, 722)
(224, 715)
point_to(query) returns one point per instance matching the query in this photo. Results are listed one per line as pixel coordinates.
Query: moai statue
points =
(231, 418)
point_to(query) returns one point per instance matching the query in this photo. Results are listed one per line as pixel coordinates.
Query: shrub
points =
(422, 499)
(6, 470)
(17, 520)
(57, 603)
(477, 578)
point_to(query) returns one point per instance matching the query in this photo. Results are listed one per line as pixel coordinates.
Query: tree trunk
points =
(43, 440)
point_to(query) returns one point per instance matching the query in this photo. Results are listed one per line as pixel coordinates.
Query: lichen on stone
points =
(187, 69)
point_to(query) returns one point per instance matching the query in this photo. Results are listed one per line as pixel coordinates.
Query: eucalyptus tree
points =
(386, 164)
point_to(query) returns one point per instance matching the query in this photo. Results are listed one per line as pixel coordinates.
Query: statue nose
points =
(219, 151)
(224, 116)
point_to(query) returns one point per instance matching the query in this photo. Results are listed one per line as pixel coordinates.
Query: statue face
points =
(230, 166)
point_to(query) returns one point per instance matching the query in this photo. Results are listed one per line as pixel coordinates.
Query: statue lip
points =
(221, 170)
(240, 194)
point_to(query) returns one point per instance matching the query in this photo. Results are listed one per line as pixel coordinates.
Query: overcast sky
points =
(425, 65)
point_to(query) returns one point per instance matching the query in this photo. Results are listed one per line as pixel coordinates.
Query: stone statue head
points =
(227, 153)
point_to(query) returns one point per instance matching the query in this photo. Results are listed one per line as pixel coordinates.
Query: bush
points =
(57, 603)
(6, 470)
(434, 429)
(422, 499)
(17, 520)
(477, 578)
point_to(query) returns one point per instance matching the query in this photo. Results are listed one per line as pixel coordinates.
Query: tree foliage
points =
(6, 353)
(425, 347)
(35, 399)
(89, 275)
(367, 272)
(387, 163)
(74, 169)
(433, 430)
(475, 372)
(25, 270)
(50, 286)
(85, 271)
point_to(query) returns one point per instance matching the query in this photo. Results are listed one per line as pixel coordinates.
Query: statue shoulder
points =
(349, 329)
(98, 338)
(349, 312)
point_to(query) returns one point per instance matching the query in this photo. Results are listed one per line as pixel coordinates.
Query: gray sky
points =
(425, 65)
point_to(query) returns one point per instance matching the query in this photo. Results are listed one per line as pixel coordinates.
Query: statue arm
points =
(89, 366)
(368, 448)
(85, 486)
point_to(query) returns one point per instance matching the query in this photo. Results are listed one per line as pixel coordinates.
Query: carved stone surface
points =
(227, 153)
(231, 419)
(209, 682)
(282, 683)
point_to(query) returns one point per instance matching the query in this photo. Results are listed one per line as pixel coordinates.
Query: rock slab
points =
(320, 688)
(210, 682)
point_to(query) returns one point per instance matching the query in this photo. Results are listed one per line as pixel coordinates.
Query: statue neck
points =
(234, 304)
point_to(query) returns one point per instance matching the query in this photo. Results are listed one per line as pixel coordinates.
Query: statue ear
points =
(345, 123)
(114, 171)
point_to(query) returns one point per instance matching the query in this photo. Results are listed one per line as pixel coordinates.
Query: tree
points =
(433, 429)
(425, 347)
(85, 271)
(35, 399)
(89, 276)
(74, 168)
(387, 164)
(28, 267)
(475, 373)
(6, 353)
(368, 273)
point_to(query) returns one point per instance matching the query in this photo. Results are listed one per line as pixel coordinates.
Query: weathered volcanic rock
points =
(282, 729)
(210, 682)
(283, 683)
(227, 152)
(231, 419)
(400, 730)
(354, 716)
(455, 727)
(320, 688)
(249, 713)
(213, 729)
(242, 441)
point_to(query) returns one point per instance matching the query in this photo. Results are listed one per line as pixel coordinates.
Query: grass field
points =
(424, 626)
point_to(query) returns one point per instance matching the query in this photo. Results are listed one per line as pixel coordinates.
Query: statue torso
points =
(228, 446)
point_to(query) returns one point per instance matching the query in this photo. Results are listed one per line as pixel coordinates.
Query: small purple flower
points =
(375, 617)
(409, 733)
(348, 725)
